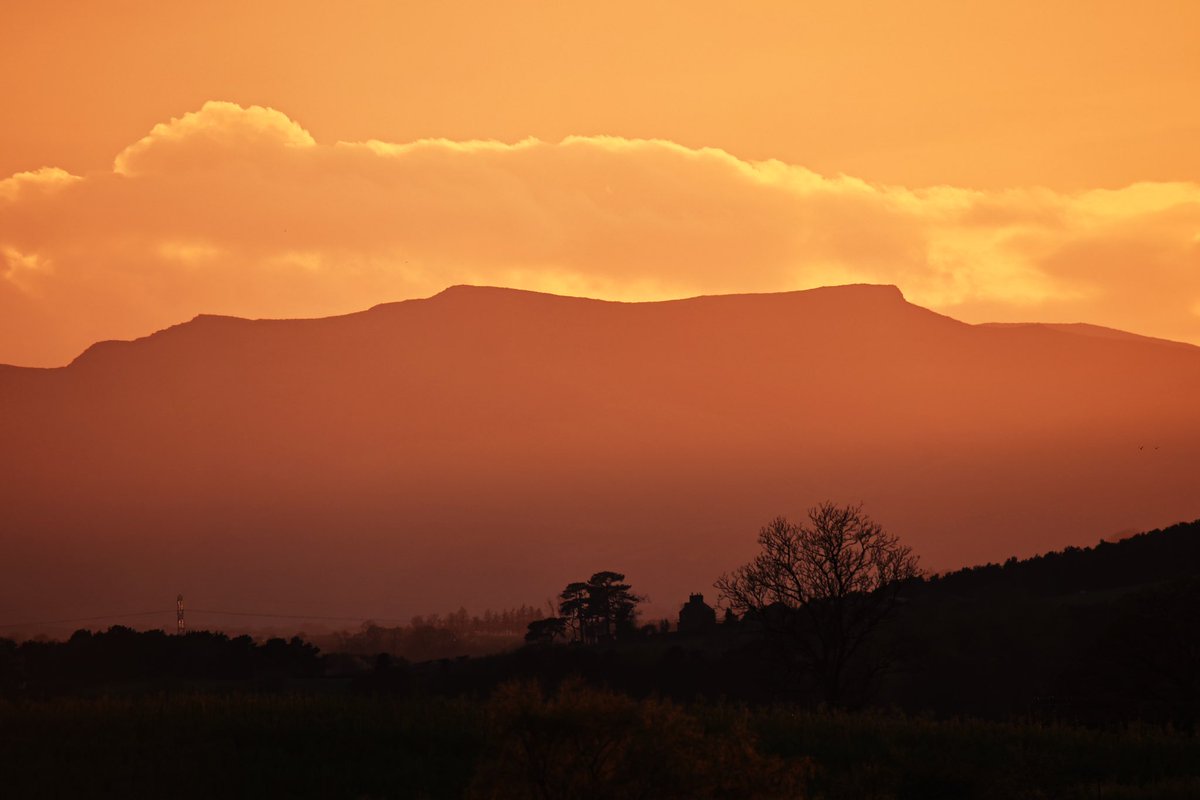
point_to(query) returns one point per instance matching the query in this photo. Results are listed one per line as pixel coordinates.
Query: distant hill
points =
(1138, 561)
(1083, 329)
(483, 446)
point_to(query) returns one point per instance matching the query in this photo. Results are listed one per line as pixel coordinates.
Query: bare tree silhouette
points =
(827, 585)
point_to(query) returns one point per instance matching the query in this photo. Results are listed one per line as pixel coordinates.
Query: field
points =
(579, 743)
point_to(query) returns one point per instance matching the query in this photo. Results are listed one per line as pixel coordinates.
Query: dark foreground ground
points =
(577, 743)
(1070, 675)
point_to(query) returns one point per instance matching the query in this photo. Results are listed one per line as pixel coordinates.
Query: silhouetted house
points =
(696, 615)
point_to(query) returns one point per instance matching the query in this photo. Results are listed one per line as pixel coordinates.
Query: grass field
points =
(581, 743)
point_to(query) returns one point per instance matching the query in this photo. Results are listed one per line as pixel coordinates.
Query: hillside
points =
(482, 446)
(1135, 562)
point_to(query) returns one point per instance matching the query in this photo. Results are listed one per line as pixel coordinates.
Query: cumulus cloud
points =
(240, 211)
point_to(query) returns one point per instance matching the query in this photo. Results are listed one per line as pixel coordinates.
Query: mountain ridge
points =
(485, 433)
(861, 294)
(457, 292)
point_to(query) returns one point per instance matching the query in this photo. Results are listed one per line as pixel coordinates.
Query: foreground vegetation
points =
(577, 742)
(1072, 675)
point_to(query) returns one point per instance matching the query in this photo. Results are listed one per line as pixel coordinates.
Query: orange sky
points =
(1006, 161)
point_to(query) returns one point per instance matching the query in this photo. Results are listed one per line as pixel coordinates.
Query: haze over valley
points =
(477, 446)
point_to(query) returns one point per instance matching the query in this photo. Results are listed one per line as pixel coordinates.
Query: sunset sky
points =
(1000, 161)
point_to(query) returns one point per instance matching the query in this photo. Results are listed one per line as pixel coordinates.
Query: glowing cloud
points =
(218, 131)
(46, 179)
(240, 211)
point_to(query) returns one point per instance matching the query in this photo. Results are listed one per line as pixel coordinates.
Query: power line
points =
(291, 616)
(215, 612)
(82, 619)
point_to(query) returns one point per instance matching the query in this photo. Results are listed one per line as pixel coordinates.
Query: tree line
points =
(831, 609)
(601, 609)
(435, 636)
(820, 588)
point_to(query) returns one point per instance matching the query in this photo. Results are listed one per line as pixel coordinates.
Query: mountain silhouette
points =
(477, 446)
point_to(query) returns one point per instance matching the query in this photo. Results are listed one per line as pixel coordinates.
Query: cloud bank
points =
(234, 210)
